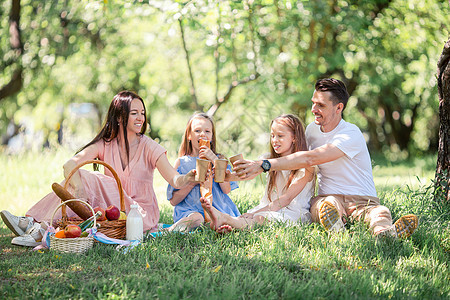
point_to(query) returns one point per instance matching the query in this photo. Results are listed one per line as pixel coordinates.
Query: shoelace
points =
(34, 231)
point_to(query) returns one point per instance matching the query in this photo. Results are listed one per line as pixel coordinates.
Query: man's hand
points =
(247, 169)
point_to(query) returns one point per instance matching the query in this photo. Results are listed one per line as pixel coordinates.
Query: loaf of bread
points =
(79, 208)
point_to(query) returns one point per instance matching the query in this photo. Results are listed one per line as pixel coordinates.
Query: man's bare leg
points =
(219, 218)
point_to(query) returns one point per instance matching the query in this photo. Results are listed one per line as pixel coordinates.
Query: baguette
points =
(206, 143)
(79, 208)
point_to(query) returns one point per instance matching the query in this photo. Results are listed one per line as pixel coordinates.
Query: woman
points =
(121, 143)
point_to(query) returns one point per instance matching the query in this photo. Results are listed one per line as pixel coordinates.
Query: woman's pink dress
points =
(101, 189)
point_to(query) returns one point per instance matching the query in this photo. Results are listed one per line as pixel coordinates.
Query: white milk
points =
(135, 225)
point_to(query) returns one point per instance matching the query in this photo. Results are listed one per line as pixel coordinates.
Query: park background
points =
(243, 62)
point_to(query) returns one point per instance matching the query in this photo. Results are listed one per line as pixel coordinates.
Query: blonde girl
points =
(288, 193)
(188, 212)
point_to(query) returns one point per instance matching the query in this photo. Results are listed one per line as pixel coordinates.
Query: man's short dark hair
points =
(337, 89)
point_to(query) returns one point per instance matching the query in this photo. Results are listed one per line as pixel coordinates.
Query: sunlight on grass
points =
(29, 176)
(269, 261)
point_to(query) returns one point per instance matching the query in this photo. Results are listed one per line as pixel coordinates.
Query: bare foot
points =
(215, 215)
(224, 229)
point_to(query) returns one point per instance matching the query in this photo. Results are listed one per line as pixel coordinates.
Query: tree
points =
(16, 79)
(443, 161)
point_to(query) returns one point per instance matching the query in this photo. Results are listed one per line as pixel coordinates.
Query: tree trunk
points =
(15, 83)
(442, 177)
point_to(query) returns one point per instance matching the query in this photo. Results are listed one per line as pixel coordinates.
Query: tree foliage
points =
(242, 61)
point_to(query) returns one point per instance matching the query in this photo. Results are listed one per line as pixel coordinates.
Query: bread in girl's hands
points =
(203, 142)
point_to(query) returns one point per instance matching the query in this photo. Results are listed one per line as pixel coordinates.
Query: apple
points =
(103, 216)
(123, 216)
(72, 231)
(112, 213)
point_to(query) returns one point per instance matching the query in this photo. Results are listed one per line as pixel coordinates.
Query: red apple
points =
(112, 213)
(72, 231)
(103, 216)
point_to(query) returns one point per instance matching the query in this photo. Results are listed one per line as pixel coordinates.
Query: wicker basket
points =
(114, 229)
(72, 245)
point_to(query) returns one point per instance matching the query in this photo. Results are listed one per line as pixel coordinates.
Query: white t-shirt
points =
(350, 174)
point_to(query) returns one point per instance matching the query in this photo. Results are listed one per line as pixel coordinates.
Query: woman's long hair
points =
(186, 144)
(118, 112)
(299, 144)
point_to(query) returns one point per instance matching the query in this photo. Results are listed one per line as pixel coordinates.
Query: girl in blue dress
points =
(188, 212)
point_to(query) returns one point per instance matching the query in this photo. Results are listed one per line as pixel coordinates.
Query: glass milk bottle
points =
(135, 225)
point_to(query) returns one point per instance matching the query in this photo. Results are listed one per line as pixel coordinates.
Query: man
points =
(345, 180)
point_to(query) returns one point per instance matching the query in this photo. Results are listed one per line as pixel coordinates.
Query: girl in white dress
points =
(288, 193)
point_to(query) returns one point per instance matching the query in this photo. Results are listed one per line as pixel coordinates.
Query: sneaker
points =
(406, 225)
(329, 217)
(31, 238)
(18, 225)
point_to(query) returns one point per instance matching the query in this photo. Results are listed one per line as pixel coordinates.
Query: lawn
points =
(269, 261)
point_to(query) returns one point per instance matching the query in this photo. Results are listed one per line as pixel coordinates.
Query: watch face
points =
(266, 166)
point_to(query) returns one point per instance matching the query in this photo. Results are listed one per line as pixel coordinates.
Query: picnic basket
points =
(114, 229)
(72, 245)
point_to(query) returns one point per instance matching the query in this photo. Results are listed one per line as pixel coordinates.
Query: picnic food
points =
(60, 234)
(72, 231)
(203, 142)
(80, 209)
(112, 213)
(103, 216)
(123, 216)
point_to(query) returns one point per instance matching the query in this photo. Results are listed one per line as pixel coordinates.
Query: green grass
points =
(269, 261)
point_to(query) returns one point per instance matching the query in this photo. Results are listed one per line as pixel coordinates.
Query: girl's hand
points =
(206, 153)
(247, 215)
(231, 176)
(207, 183)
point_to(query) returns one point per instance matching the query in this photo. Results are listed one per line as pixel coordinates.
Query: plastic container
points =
(135, 225)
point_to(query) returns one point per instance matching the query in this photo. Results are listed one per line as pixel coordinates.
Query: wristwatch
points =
(265, 165)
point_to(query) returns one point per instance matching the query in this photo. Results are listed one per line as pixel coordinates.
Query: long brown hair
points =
(299, 144)
(186, 144)
(118, 111)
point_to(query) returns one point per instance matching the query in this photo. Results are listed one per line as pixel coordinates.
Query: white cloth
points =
(297, 210)
(350, 174)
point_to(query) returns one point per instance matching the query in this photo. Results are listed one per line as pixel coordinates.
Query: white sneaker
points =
(31, 238)
(18, 225)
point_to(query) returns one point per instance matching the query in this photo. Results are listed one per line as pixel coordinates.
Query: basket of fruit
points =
(112, 221)
(73, 238)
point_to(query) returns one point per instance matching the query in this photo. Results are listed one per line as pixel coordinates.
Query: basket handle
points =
(63, 204)
(116, 177)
